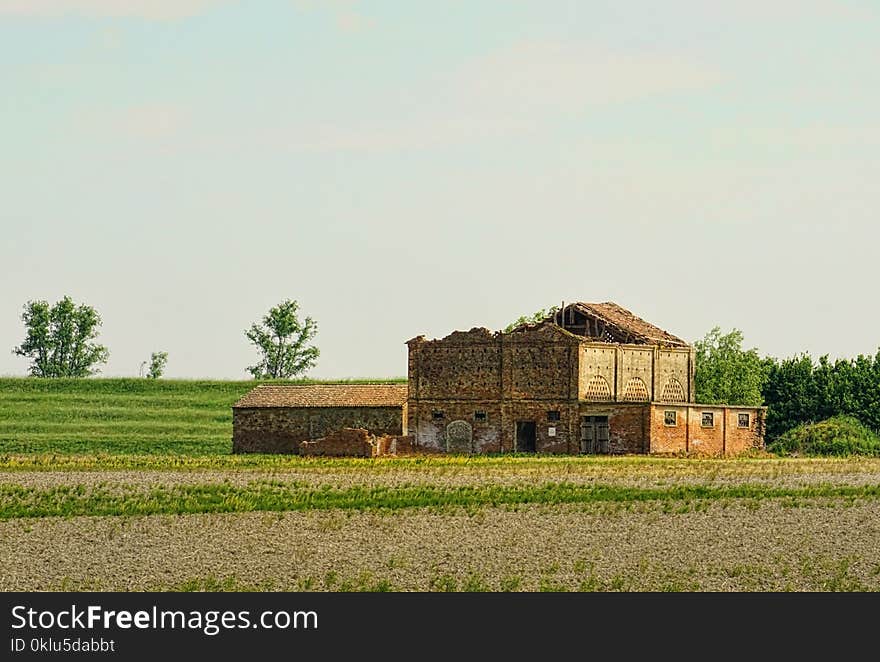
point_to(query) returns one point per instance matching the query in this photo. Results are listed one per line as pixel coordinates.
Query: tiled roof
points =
(326, 395)
(626, 321)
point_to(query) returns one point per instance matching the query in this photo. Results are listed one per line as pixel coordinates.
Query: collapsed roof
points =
(608, 322)
(612, 323)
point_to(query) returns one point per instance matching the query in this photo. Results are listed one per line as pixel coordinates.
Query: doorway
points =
(594, 435)
(526, 437)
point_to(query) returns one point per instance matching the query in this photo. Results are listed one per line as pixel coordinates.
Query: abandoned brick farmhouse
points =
(592, 378)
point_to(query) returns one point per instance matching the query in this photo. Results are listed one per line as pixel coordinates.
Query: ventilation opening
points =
(673, 391)
(598, 390)
(635, 391)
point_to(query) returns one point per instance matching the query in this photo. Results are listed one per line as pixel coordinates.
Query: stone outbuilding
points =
(276, 419)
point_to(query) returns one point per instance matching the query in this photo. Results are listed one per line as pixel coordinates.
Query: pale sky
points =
(406, 168)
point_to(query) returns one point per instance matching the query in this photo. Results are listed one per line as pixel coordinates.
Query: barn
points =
(276, 419)
(593, 378)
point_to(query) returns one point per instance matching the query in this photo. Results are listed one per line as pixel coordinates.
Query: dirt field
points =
(489, 524)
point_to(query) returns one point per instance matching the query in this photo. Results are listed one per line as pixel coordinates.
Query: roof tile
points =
(326, 395)
(627, 321)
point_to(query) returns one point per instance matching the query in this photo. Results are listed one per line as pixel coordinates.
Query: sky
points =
(412, 168)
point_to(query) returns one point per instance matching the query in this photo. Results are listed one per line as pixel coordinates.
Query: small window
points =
(480, 416)
(437, 415)
(670, 418)
(553, 415)
(743, 420)
(708, 419)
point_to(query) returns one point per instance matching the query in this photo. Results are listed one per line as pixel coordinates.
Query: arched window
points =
(673, 391)
(598, 390)
(635, 391)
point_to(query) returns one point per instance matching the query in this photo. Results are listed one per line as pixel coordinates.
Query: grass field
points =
(129, 485)
(124, 416)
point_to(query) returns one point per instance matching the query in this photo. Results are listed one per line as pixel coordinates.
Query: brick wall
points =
(669, 438)
(522, 376)
(745, 438)
(506, 377)
(540, 364)
(628, 426)
(465, 363)
(539, 371)
(689, 434)
(357, 442)
(269, 430)
(281, 429)
(348, 442)
(550, 436)
(705, 440)
(393, 445)
(429, 430)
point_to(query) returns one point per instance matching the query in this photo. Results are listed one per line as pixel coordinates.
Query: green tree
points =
(539, 316)
(728, 374)
(59, 339)
(283, 342)
(791, 395)
(158, 360)
(800, 390)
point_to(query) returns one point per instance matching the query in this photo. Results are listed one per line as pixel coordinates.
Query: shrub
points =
(839, 435)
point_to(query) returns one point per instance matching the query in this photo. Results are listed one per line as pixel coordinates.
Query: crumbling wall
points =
(394, 445)
(540, 364)
(430, 419)
(465, 364)
(348, 442)
(378, 420)
(357, 442)
(281, 429)
(480, 384)
(468, 391)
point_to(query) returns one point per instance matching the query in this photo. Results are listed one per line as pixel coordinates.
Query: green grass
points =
(68, 501)
(122, 416)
